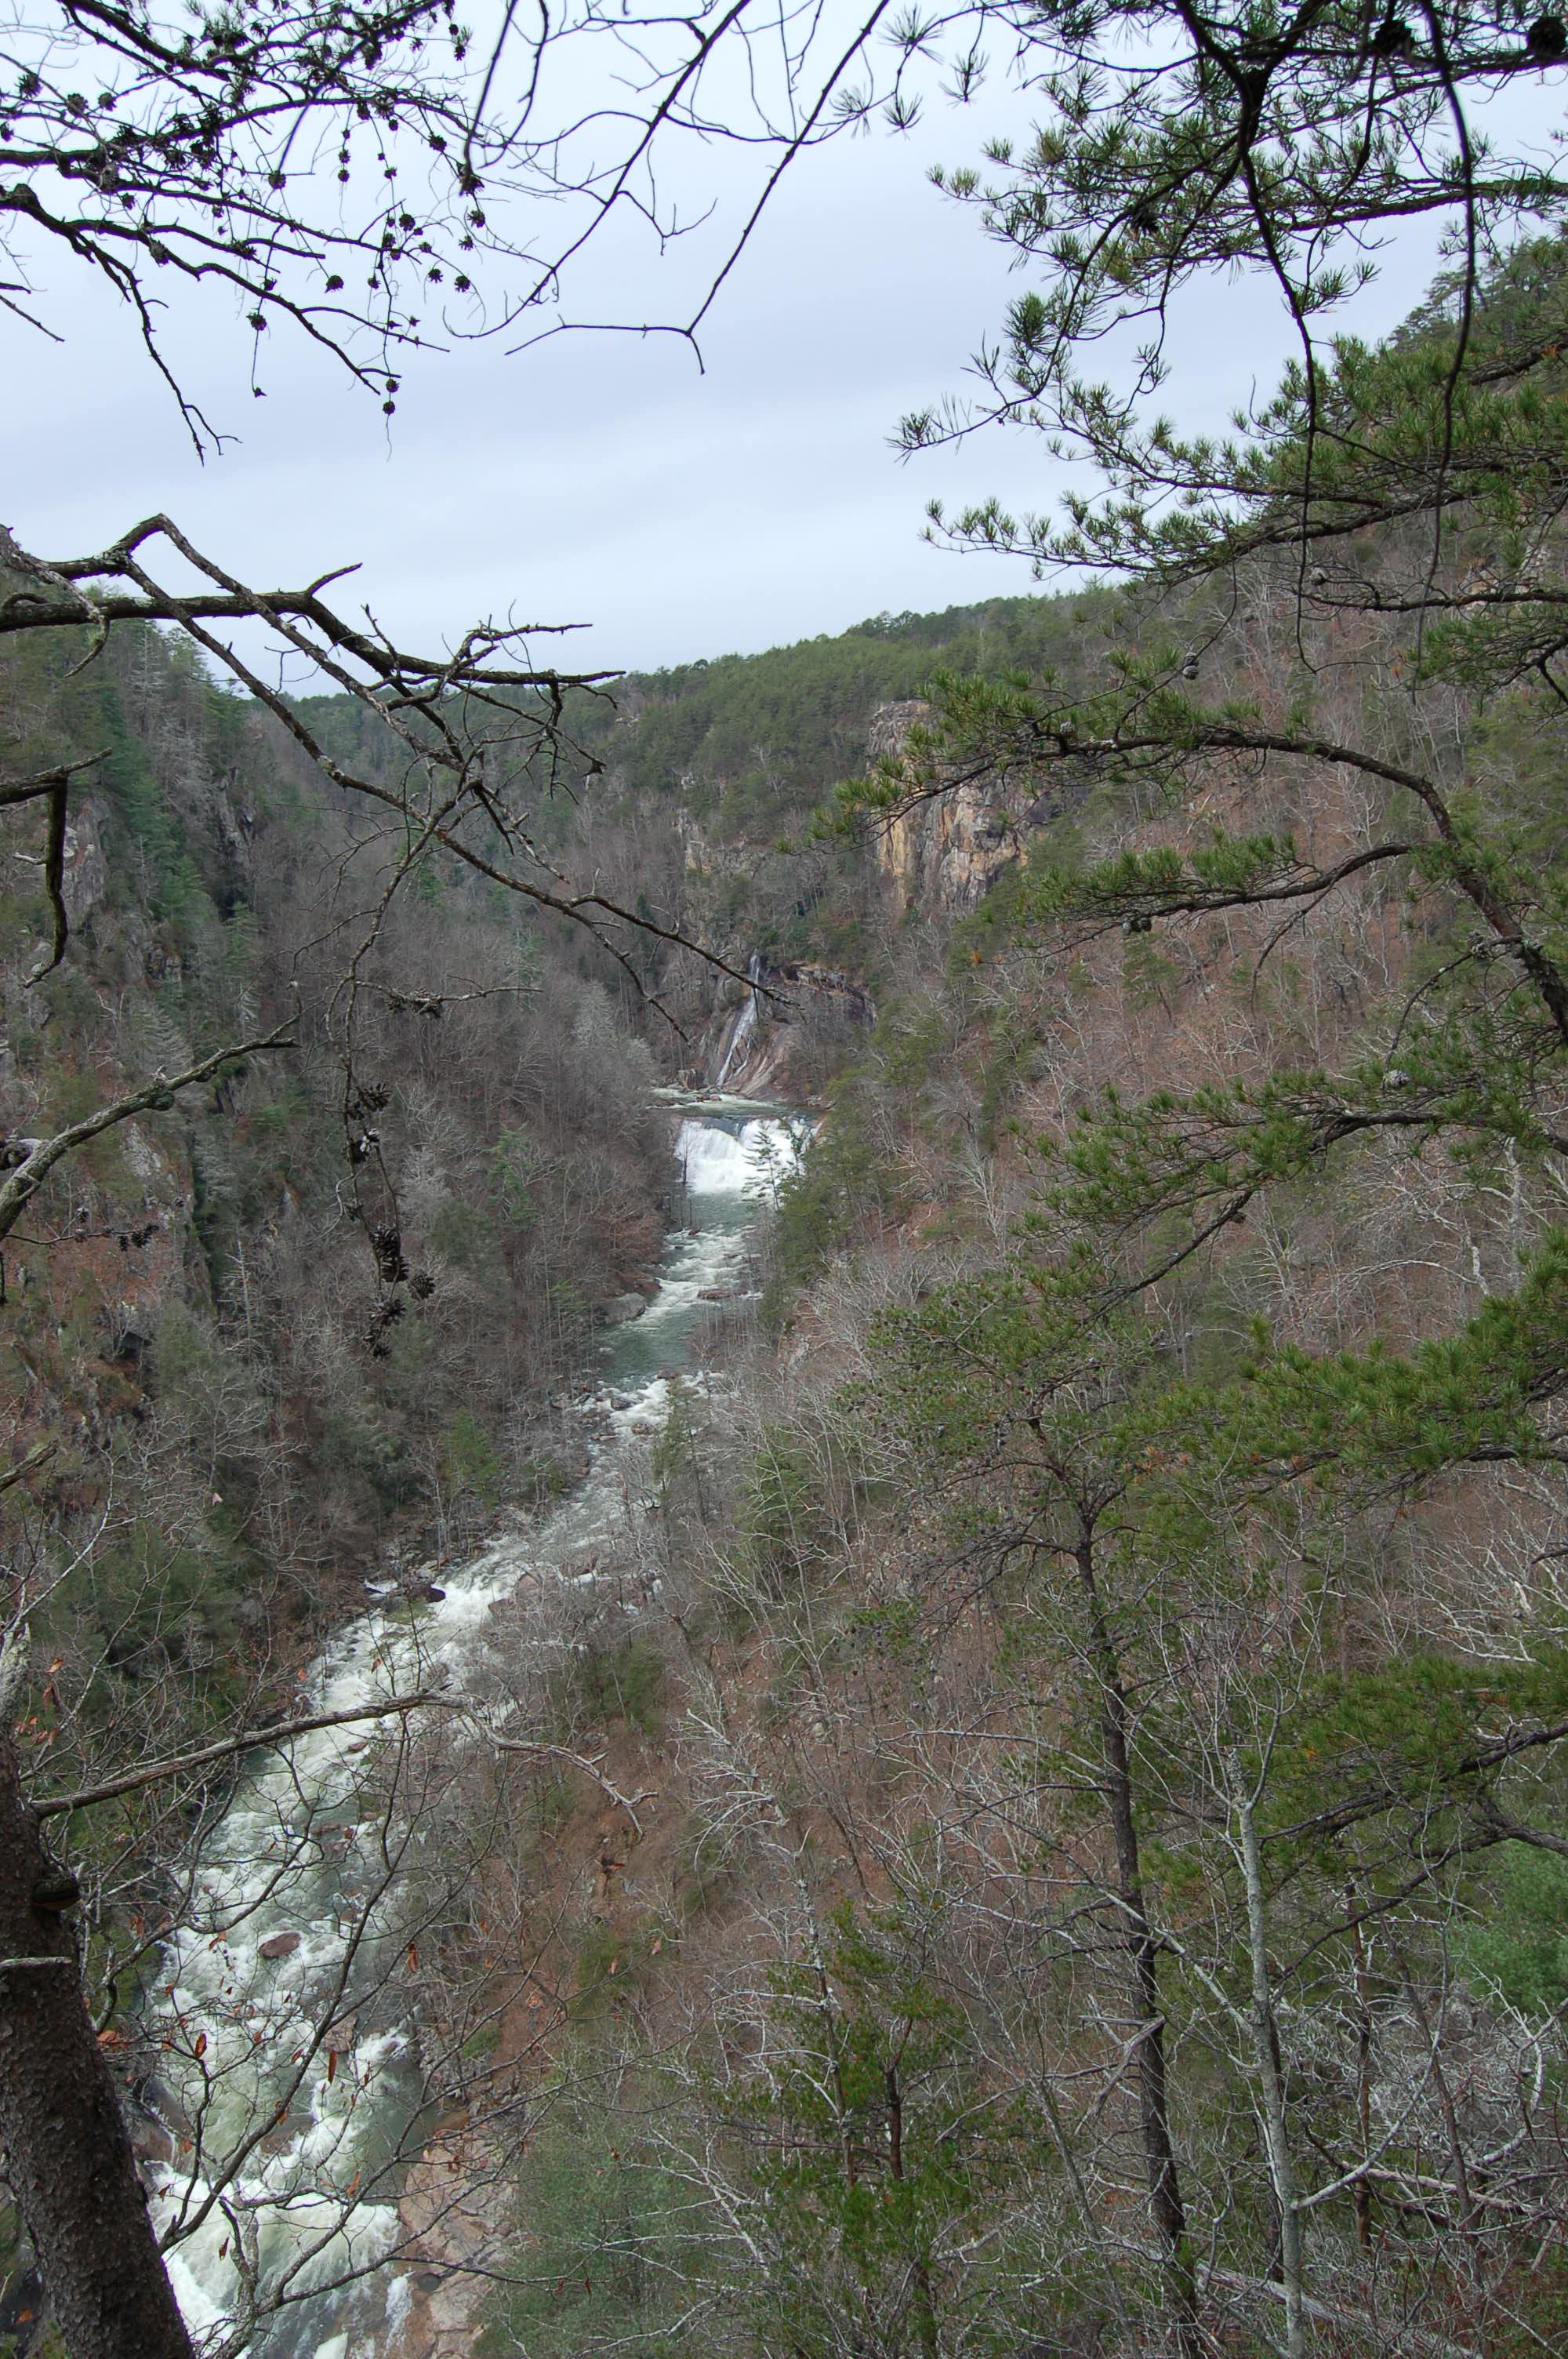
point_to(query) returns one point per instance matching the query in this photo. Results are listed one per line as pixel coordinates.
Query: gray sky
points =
(602, 479)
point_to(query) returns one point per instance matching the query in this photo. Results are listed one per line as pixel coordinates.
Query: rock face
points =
(759, 1041)
(703, 858)
(947, 852)
(83, 876)
(233, 824)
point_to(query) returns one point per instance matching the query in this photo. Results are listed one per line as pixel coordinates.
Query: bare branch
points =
(25, 1177)
(249, 1740)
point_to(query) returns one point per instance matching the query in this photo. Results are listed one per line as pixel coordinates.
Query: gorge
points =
(948, 1679)
(251, 2011)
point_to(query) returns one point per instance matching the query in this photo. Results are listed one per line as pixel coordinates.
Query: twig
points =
(24, 1180)
(589, 1769)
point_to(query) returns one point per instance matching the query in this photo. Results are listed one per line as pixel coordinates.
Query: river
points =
(298, 1900)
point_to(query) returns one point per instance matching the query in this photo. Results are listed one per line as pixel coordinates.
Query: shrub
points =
(467, 1458)
(623, 1682)
(782, 1518)
(462, 1234)
(1522, 1951)
(599, 2259)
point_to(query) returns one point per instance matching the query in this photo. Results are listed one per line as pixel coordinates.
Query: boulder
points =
(151, 2141)
(289, 2133)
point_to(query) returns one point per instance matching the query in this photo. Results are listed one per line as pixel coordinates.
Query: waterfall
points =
(736, 1045)
(747, 1158)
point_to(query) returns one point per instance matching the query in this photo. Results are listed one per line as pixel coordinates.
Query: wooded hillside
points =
(1120, 1632)
(1067, 1851)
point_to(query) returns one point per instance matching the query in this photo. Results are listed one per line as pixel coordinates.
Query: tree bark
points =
(1266, 2056)
(68, 2157)
(1363, 2193)
(1142, 1950)
(925, 2300)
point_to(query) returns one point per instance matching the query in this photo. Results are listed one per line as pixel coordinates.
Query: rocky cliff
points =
(944, 851)
(769, 1041)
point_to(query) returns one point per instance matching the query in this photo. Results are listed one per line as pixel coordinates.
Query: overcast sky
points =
(605, 479)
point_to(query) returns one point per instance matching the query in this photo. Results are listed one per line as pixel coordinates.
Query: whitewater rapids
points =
(239, 1990)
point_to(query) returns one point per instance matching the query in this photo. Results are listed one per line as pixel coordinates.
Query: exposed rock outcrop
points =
(760, 1043)
(702, 857)
(234, 823)
(83, 875)
(945, 852)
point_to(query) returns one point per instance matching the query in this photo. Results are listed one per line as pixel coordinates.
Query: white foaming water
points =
(297, 2040)
(743, 1158)
(737, 1046)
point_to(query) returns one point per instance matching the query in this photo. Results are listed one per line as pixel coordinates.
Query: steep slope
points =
(192, 1324)
(1116, 1614)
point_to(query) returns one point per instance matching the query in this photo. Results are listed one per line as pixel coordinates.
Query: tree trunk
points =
(1266, 2056)
(1142, 1950)
(1363, 2193)
(68, 2157)
(920, 2274)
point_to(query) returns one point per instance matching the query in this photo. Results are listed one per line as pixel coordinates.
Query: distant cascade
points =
(736, 1045)
(738, 1040)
